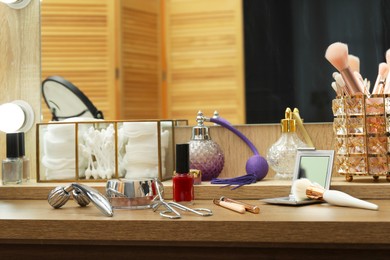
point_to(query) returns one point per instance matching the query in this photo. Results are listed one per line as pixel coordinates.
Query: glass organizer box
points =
(361, 126)
(92, 151)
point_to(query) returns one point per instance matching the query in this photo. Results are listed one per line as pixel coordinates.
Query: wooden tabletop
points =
(35, 220)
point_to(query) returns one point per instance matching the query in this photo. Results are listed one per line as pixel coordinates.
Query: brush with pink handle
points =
(337, 55)
(304, 188)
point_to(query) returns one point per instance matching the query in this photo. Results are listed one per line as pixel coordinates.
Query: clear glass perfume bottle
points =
(205, 154)
(281, 155)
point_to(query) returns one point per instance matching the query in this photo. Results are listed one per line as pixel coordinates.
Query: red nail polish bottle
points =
(183, 182)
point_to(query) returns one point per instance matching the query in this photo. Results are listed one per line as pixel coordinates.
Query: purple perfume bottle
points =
(205, 154)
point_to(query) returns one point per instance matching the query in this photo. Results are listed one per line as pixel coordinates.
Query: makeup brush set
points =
(348, 79)
(361, 124)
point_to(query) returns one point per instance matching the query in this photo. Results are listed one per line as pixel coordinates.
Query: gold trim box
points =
(93, 151)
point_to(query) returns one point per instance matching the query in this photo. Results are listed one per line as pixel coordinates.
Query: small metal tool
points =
(170, 212)
(82, 194)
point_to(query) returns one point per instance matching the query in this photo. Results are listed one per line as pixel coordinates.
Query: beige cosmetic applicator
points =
(379, 86)
(304, 188)
(337, 55)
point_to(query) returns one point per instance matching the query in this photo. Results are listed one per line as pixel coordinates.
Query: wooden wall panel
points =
(78, 43)
(20, 65)
(205, 58)
(262, 136)
(141, 59)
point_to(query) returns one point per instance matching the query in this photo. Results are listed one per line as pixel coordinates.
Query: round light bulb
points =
(12, 117)
(16, 4)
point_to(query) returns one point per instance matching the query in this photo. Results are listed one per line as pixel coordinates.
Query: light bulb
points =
(16, 116)
(11, 117)
(16, 4)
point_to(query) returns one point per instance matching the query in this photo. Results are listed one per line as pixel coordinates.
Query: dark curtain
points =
(285, 43)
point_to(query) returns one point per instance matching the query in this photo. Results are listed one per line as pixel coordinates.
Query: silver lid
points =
(200, 132)
(131, 188)
(132, 193)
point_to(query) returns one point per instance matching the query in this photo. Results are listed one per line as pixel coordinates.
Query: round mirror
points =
(65, 100)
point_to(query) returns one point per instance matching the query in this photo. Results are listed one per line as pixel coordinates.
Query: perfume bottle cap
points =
(200, 132)
(13, 145)
(182, 158)
(288, 123)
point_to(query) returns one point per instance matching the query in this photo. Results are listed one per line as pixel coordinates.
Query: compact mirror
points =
(65, 100)
(315, 165)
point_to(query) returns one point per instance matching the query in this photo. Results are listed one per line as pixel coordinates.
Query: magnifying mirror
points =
(65, 100)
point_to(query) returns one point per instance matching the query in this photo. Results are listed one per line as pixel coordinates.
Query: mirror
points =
(284, 43)
(315, 165)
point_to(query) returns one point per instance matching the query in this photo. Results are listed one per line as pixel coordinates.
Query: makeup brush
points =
(304, 188)
(380, 82)
(341, 83)
(232, 206)
(354, 63)
(336, 88)
(360, 80)
(387, 85)
(337, 55)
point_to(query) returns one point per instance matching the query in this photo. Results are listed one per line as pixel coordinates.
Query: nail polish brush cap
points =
(12, 145)
(182, 158)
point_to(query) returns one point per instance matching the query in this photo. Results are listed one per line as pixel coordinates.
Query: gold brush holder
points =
(361, 126)
(62, 157)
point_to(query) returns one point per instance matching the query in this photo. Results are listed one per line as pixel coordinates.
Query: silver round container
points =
(131, 193)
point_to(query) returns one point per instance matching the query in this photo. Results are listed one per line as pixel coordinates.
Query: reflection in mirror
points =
(148, 59)
(315, 168)
(168, 59)
(285, 43)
